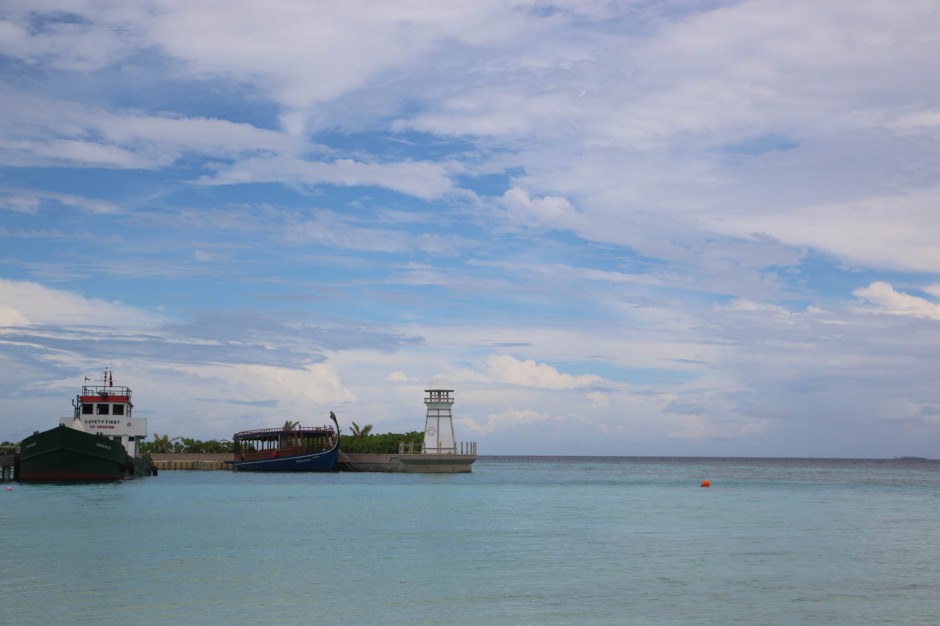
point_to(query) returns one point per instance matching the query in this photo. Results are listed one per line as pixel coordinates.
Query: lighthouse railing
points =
(460, 447)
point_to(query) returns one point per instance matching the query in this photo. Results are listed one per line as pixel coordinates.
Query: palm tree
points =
(219, 446)
(161, 443)
(359, 433)
(289, 425)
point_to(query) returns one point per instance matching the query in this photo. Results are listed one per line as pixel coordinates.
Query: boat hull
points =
(313, 462)
(64, 454)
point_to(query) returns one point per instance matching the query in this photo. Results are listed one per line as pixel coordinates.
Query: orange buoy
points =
(706, 483)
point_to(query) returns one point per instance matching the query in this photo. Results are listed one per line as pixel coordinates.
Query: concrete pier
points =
(7, 464)
(407, 463)
(408, 460)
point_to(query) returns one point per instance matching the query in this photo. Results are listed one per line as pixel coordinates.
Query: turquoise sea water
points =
(534, 540)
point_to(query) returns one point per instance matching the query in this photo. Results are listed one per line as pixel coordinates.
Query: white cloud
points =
(336, 230)
(10, 317)
(19, 202)
(598, 399)
(425, 180)
(205, 256)
(933, 290)
(398, 377)
(307, 54)
(38, 34)
(919, 121)
(29, 201)
(885, 299)
(898, 232)
(508, 418)
(744, 305)
(32, 304)
(295, 392)
(546, 212)
(507, 370)
(699, 428)
(43, 132)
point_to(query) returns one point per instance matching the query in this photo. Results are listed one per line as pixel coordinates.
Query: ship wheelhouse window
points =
(88, 409)
(102, 409)
(118, 409)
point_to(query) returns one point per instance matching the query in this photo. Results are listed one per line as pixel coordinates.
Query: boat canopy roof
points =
(273, 434)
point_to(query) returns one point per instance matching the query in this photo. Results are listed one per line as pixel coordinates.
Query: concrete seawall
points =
(192, 461)
(367, 462)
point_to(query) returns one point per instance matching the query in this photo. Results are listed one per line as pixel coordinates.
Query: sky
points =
(672, 228)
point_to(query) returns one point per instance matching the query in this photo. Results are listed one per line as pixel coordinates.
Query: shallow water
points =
(535, 540)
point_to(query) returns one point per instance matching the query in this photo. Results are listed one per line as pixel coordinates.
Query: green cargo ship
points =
(99, 442)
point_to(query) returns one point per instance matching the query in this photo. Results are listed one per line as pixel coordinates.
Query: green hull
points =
(64, 454)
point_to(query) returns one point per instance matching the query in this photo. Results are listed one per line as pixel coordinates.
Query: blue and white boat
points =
(291, 448)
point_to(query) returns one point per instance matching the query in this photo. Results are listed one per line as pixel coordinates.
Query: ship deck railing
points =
(105, 390)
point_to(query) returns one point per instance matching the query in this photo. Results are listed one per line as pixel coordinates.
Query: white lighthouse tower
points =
(440, 452)
(439, 425)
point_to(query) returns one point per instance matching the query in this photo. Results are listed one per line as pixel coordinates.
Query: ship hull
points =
(64, 455)
(316, 462)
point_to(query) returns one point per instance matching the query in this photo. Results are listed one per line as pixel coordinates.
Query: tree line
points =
(378, 444)
(162, 444)
(360, 441)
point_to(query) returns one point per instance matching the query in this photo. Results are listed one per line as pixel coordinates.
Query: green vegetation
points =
(378, 444)
(163, 443)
